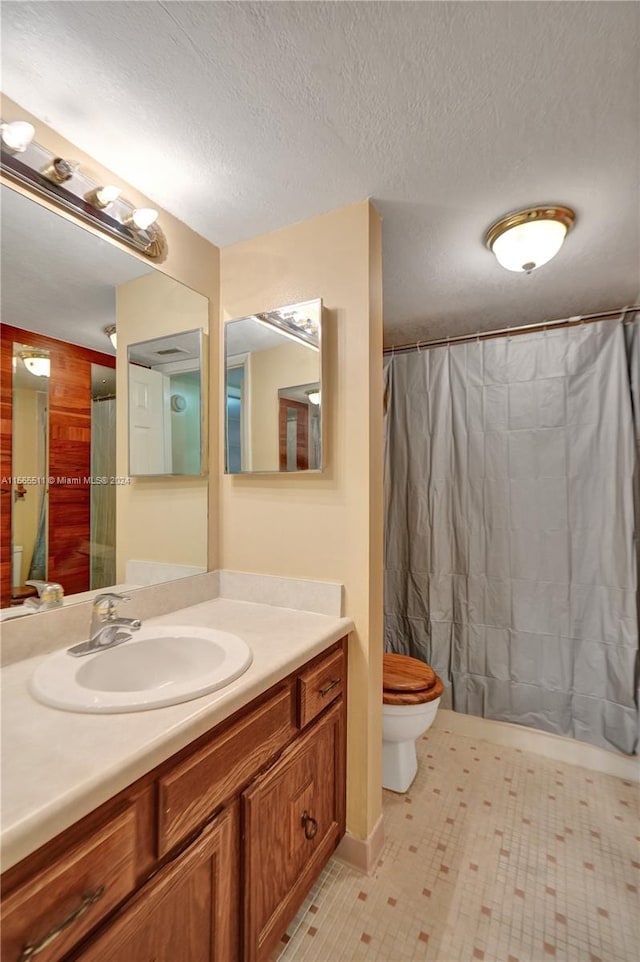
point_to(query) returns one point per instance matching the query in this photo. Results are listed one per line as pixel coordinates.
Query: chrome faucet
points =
(107, 630)
(50, 595)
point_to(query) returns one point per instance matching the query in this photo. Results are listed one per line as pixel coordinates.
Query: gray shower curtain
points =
(510, 559)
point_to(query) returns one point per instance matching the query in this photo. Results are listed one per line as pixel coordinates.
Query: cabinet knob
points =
(310, 825)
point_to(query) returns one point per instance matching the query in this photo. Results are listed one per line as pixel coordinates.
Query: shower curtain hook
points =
(418, 347)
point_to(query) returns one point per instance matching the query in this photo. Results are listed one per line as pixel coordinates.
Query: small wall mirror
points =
(273, 390)
(165, 405)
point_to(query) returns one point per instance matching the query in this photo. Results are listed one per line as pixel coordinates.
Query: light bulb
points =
(101, 197)
(107, 195)
(528, 246)
(144, 217)
(314, 397)
(18, 135)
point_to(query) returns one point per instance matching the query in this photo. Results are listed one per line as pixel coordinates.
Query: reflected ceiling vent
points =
(169, 351)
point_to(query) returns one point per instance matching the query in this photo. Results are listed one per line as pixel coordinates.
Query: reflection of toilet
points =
(411, 695)
(16, 565)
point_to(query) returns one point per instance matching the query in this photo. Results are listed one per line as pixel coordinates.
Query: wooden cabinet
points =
(187, 913)
(293, 817)
(153, 875)
(65, 899)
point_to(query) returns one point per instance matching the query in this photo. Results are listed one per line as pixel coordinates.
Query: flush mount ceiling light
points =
(36, 363)
(17, 135)
(527, 239)
(112, 335)
(314, 396)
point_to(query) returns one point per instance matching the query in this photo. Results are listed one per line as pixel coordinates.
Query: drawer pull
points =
(327, 688)
(32, 949)
(310, 825)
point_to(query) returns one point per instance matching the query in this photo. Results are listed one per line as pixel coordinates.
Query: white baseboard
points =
(362, 853)
(540, 743)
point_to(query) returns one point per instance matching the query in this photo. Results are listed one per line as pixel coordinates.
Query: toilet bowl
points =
(411, 695)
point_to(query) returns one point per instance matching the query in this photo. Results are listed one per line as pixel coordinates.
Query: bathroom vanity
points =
(209, 854)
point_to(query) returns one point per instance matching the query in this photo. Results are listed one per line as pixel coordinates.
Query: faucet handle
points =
(107, 601)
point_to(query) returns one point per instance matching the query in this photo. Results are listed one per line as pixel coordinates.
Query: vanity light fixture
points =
(527, 239)
(101, 197)
(36, 363)
(63, 183)
(112, 335)
(314, 397)
(17, 135)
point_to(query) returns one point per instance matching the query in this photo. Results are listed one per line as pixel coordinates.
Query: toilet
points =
(411, 695)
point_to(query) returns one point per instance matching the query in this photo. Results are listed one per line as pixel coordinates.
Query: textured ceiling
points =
(243, 117)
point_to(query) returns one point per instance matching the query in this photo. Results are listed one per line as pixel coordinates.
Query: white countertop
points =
(58, 766)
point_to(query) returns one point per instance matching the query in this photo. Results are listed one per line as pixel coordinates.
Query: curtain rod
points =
(507, 331)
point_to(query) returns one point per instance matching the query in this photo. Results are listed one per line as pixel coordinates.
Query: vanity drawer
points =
(191, 791)
(57, 906)
(320, 685)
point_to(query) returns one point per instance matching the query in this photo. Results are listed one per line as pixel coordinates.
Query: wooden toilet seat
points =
(408, 681)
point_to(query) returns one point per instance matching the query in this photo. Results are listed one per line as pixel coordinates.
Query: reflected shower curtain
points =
(510, 561)
(103, 496)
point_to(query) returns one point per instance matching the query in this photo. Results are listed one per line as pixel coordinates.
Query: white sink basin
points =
(158, 666)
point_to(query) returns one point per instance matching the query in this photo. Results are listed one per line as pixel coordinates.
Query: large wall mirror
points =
(71, 510)
(273, 390)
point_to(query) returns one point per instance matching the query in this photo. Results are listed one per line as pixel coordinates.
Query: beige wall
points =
(157, 519)
(325, 526)
(190, 259)
(284, 366)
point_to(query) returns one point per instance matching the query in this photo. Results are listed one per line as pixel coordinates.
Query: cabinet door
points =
(293, 817)
(187, 913)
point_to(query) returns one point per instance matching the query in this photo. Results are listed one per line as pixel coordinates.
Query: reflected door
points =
(149, 421)
(294, 435)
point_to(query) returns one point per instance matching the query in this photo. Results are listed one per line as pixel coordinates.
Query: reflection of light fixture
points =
(36, 363)
(528, 238)
(112, 335)
(17, 135)
(142, 218)
(314, 396)
(59, 170)
(101, 197)
(272, 325)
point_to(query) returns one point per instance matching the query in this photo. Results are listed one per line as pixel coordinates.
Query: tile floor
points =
(494, 854)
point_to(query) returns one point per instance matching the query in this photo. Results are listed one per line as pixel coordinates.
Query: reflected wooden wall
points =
(69, 458)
